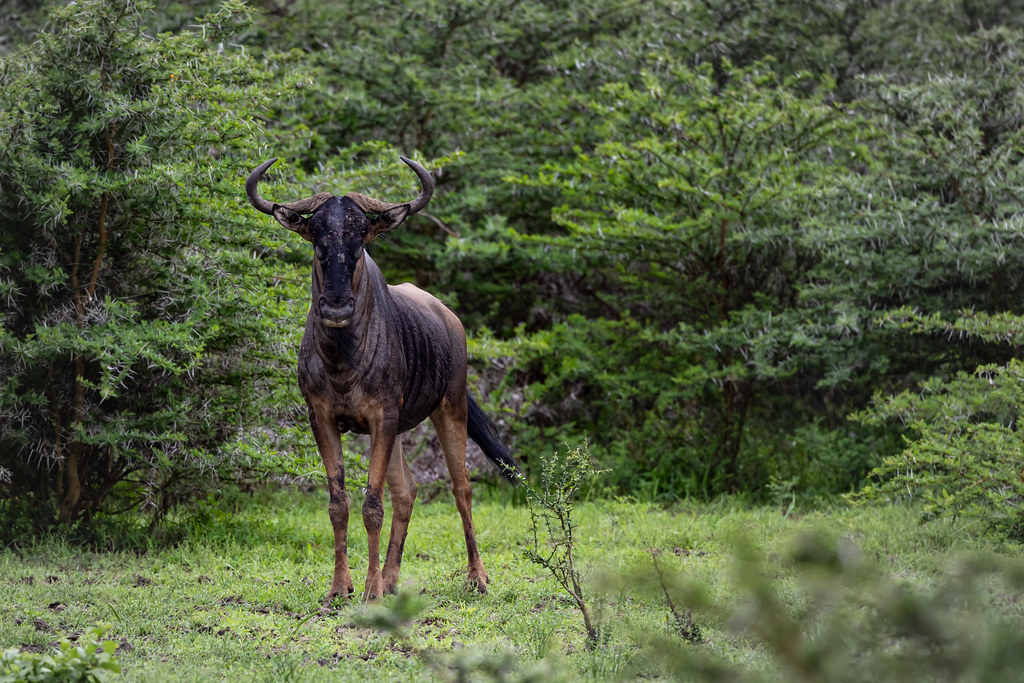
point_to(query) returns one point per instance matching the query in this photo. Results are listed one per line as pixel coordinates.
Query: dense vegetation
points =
(729, 252)
(754, 247)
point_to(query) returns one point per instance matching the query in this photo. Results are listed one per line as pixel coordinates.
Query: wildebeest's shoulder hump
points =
(411, 298)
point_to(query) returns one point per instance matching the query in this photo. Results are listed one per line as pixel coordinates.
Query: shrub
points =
(843, 619)
(963, 455)
(553, 546)
(136, 322)
(89, 660)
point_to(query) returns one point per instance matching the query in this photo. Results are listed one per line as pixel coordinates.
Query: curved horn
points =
(426, 180)
(252, 181)
(372, 205)
(307, 205)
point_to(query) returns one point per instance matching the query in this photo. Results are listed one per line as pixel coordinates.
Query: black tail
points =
(484, 433)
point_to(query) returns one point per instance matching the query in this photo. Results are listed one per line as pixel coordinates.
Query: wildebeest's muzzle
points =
(336, 311)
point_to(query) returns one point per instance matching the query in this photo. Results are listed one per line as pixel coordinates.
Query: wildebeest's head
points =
(339, 228)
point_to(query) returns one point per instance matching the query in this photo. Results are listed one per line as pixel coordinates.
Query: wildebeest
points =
(378, 360)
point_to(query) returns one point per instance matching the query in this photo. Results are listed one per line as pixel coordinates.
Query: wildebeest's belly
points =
(429, 351)
(427, 377)
(407, 419)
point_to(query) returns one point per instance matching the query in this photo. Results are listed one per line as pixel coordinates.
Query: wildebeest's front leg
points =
(383, 432)
(328, 441)
(402, 487)
(450, 422)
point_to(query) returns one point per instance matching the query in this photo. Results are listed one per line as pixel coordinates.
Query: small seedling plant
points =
(553, 526)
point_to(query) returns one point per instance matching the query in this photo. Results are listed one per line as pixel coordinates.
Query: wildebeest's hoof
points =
(332, 594)
(478, 580)
(374, 588)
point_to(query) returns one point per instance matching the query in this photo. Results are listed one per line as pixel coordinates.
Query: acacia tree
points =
(769, 259)
(693, 211)
(948, 248)
(134, 329)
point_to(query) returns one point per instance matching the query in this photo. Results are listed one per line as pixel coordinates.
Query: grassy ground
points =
(238, 599)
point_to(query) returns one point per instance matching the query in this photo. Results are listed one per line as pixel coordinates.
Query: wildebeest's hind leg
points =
(450, 422)
(328, 441)
(403, 496)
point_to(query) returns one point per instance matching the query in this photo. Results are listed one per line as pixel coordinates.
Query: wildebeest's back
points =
(434, 343)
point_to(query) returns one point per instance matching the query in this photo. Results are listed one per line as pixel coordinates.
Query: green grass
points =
(239, 598)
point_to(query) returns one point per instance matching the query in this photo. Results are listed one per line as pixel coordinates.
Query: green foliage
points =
(135, 332)
(685, 239)
(844, 620)
(553, 525)
(700, 235)
(958, 208)
(89, 660)
(935, 227)
(963, 456)
(396, 614)
(747, 242)
(692, 211)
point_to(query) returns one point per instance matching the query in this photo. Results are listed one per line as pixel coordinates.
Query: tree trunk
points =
(69, 504)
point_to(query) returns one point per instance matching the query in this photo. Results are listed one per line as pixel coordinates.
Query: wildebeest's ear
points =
(292, 221)
(388, 220)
